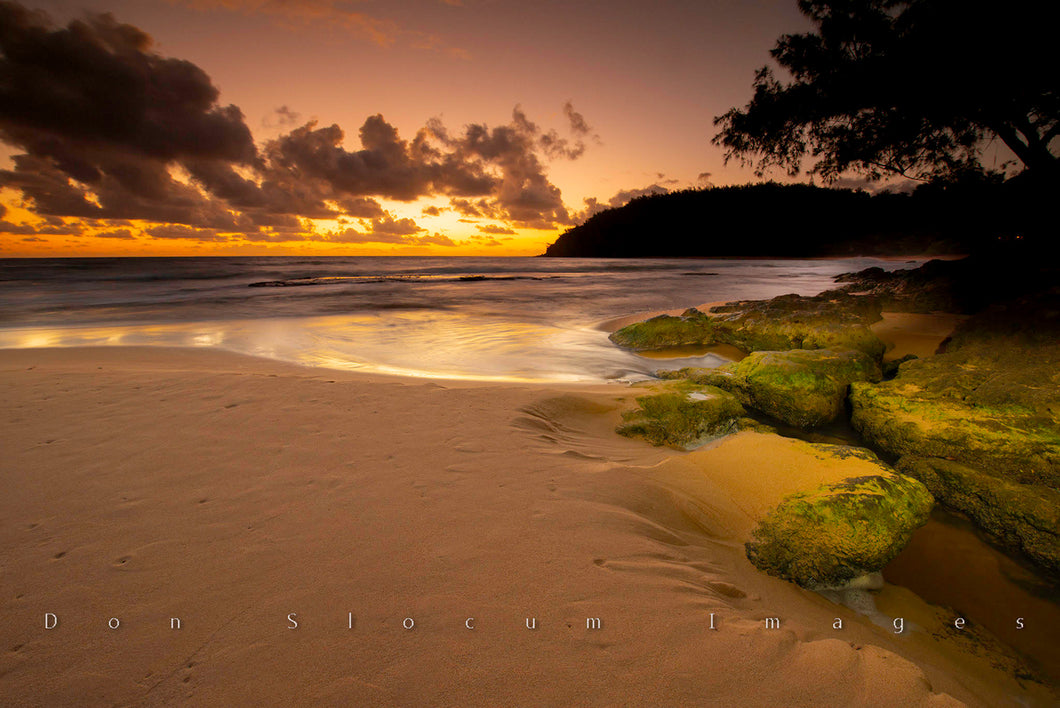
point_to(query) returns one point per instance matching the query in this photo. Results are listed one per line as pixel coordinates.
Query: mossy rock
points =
(692, 327)
(1023, 517)
(683, 416)
(980, 423)
(998, 417)
(786, 322)
(803, 388)
(831, 535)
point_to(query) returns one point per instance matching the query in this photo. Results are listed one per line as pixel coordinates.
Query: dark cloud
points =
(620, 198)
(282, 117)
(385, 166)
(46, 228)
(175, 231)
(6, 227)
(116, 233)
(101, 118)
(432, 211)
(109, 129)
(386, 224)
(97, 84)
(361, 207)
(494, 229)
(625, 196)
(578, 125)
(354, 236)
(466, 207)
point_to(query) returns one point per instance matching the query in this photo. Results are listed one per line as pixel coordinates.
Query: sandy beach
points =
(244, 496)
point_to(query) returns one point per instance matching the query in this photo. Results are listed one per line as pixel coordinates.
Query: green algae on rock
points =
(987, 414)
(682, 416)
(829, 536)
(996, 411)
(664, 331)
(801, 387)
(1024, 517)
(838, 321)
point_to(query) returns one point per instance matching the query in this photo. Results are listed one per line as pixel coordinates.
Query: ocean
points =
(515, 319)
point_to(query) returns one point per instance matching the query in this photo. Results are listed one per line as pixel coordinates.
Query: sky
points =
(359, 127)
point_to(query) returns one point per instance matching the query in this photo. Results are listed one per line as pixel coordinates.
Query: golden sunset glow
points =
(258, 127)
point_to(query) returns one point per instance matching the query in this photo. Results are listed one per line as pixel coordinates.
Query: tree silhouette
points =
(917, 88)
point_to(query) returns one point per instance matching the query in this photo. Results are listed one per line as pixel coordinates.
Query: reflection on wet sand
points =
(423, 343)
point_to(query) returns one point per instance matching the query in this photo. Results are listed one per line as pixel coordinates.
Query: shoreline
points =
(231, 490)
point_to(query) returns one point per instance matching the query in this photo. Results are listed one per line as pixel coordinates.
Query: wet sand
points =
(914, 333)
(243, 495)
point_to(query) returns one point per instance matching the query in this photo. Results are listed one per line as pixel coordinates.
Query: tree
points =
(917, 88)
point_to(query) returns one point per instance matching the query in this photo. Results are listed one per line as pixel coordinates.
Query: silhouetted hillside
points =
(803, 221)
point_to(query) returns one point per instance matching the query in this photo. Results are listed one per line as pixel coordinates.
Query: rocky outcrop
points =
(831, 535)
(1025, 517)
(683, 416)
(786, 322)
(805, 388)
(980, 423)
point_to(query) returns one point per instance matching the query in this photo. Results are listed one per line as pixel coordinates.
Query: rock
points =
(683, 416)
(952, 285)
(803, 388)
(890, 368)
(829, 536)
(987, 414)
(997, 415)
(1023, 517)
(936, 286)
(836, 321)
(692, 327)
(830, 320)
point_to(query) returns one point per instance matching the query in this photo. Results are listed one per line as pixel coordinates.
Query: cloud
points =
(109, 129)
(96, 84)
(354, 236)
(432, 211)
(116, 233)
(101, 118)
(578, 125)
(386, 224)
(282, 117)
(176, 231)
(625, 196)
(6, 227)
(494, 229)
(496, 172)
(619, 199)
(46, 228)
(361, 207)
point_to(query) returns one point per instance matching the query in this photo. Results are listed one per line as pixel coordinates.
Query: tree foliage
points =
(917, 88)
(795, 221)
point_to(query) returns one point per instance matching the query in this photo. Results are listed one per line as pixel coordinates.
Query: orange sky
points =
(462, 127)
